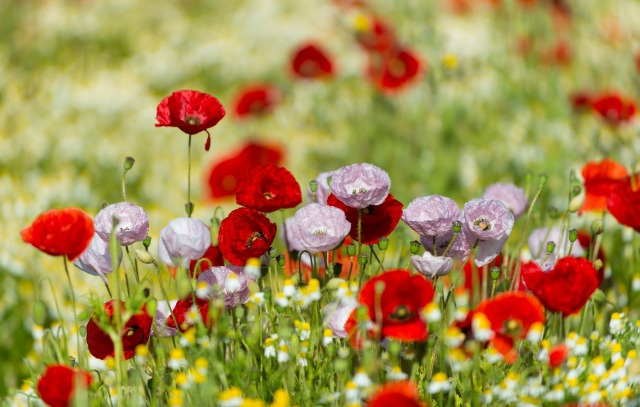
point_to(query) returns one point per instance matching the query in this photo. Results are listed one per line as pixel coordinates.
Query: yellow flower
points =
(281, 399)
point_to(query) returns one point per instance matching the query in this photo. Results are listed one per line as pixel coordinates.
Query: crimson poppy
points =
(558, 354)
(182, 311)
(224, 174)
(60, 232)
(566, 288)
(377, 36)
(614, 108)
(377, 220)
(511, 314)
(396, 394)
(57, 385)
(394, 70)
(244, 234)
(256, 100)
(624, 204)
(135, 332)
(311, 62)
(267, 188)
(214, 257)
(403, 298)
(600, 180)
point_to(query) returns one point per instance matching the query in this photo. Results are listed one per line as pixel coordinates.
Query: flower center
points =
(253, 237)
(192, 120)
(513, 328)
(360, 190)
(268, 195)
(483, 223)
(320, 232)
(401, 314)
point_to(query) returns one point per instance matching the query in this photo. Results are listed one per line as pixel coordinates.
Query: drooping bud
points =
(146, 242)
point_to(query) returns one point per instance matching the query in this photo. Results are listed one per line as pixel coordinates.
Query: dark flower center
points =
(401, 314)
(192, 120)
(254, 236)
(513, 328)
(483, 223)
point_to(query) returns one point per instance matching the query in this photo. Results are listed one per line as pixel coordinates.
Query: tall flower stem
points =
(189, 205)
(114, 247)
(73, 304)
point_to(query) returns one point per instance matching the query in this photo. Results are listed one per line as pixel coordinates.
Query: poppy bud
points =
(495, 273)
(128, 163)
(456, 226)
(272, 252)
(363, 259)
(395, 348)
(551, 246)
(573, 235)
(351, 250)
(597, 227)
(414, 246)
(383, 243)
(144, 256)
(281, 260)
(597, 264)
(146, 242)
(337, 269)
(188, 207)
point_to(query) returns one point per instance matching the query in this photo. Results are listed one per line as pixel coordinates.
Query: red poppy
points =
(624, 203)
(600, 180)
(580, 101)
(396, 394)
(377, 36)
(267, 188)
(311, 62)
(511, 314)
(558, 354)
(214, 257)
(135, 332)
(613, 108)
(60, 232)
(245, 233)
(566, 288)
(224, 175)
(377, 220)
(256, 100)
(181, 312)
(559, 54)
(57, 385)
(394, 71)
(403, 298)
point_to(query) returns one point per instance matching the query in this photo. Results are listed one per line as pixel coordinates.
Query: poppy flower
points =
(624, 204)
(267, 188)
(396, 394)
(135, 332)
(393, 71)
(613, 108)
(510, 314)
(256, 100)
(566, 288)
(580, 101)
(558, 354)
(600, 180)
(336, 315)
(233, 283)
(214, 257)
(187, 314)
(133, 223)
(459, 249)
(96, 259)
(360, 185)
(376, 220)
(57, 385)
(244, 234)
(403, 298)
(431, 266)
(60, 232)
(375, 35)
(311, 62)
(319, 228)
(190, 111)
(431, 215)
(510, 195)
(224, 174)
(183, 240)
(489, 223)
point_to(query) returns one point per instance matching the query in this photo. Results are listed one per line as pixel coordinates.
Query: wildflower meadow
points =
(320, 203)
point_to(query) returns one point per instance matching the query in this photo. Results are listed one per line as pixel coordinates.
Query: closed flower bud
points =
(457, 226)
(495, 273)
(551, 246)
(128, 163)
(281, 260)
(597, 227)
(144, 256)
(573, 235)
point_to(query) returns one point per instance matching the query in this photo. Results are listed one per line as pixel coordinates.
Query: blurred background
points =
(448, 96)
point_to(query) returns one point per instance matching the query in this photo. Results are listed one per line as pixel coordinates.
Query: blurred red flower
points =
(566, 288)
(558, 354)
(624, 203)
(580, 101)
(256, 100)
(600, 180)
(136, 331)
(245, 233)
(181, 312)
(214, 257)
(267, 188)
(310, 61)
(376, 36)
(511, 314)
(224, 175)
(613, 108)
(377, 220)
(393, 71)
(60, 232)
(190, 111)
(396, 394)
(403, 298)
(57, 385)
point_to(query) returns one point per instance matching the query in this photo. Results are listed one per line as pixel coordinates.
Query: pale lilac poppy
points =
(320, 227)
(510, 195)
(360, 185)
(96, 259)
(323, 191)
(289, 235)
(133, 223)
(232, 283)
(430, 266)
(163, 312)
(539, 238)
(431, 215)
(459, 249)
(489, 223)
(183, 240)
(336, 315)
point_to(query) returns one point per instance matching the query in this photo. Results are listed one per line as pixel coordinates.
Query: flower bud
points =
(351, 250)
(495, 273)
(272, 252)
(551, 246)
(383, 243)
(414, 246)
(188, 207)
(281, 260)
(395, 348)
(128, 163)
(573, 235)
(146, 242)
(144, 256)
(599, 297)
(597, 227)
(575, 190)
(456, 226)
(576, 202)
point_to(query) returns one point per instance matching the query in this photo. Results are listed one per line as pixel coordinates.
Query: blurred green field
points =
(80, 81)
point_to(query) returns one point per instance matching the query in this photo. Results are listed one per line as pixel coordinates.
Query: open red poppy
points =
(613, 108)
(268, 188)
(244, 234)
(57, 385)
(182, 309)
(393, 71)
(396, 394)
(256, 100)
(377, 36)
(190, 111)
(624, 203)
(600, 180)
(311, 62)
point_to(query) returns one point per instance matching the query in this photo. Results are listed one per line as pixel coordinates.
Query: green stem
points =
(188, 206)
(73, 304)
